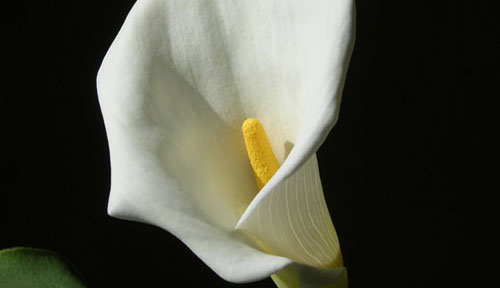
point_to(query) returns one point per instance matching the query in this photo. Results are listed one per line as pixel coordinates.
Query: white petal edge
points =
(305, 234)
(131, 85)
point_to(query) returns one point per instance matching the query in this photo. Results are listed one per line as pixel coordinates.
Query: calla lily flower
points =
(175, 87)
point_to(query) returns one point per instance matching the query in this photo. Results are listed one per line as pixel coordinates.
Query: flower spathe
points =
(176, 85)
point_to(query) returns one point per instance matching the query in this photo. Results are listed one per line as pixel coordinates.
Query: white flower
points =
(175, 87)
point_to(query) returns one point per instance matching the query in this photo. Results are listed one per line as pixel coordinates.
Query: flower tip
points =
(250, 125)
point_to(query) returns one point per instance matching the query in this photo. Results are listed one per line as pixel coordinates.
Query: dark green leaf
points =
(23, 267)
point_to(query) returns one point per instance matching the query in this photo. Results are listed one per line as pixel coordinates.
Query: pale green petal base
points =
(301, 276)
(287, 277)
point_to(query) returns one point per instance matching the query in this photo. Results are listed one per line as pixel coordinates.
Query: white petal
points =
(174, 88)
(292, 220)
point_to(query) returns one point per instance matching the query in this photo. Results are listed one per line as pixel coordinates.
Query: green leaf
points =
(23, 267)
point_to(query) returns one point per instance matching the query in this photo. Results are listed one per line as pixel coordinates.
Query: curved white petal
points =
(292, 220)
(175, 87)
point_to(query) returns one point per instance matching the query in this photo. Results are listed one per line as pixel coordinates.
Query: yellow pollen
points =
(260, 153)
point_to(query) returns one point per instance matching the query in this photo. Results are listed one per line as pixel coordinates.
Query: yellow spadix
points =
(260, 153)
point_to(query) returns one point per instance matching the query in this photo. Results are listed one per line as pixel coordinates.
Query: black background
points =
(392, 168)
